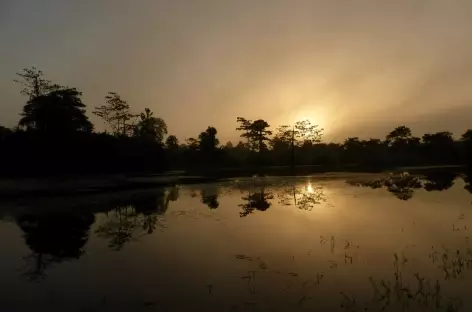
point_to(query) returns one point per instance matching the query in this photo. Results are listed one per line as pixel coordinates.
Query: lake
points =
(354, 242)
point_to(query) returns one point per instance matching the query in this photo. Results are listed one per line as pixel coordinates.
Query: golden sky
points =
(356, 67)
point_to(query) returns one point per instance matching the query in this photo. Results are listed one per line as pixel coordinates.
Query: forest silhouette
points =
(55, 137)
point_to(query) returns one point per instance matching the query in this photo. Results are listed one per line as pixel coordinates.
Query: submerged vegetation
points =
(55, 136)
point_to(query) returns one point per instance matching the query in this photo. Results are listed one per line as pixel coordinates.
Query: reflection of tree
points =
(211, 201)
(439, 181)
(304, 196)
(468, 180)
(308, 200)
(402, 186)
(173, 194)
(147, 206)
(53, 238)
(257, 200)
(134, 215)
(209, 196)
(119, 227)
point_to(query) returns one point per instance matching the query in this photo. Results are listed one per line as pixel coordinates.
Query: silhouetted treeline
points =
(54, 136)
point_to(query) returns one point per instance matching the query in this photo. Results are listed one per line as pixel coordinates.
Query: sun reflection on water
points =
(309, 188)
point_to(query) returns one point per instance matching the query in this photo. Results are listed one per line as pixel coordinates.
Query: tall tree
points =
(466, 142)
(301, 133)
(404, 146)
(172, 142)
(399, 134)
(207, 140)
(259, 134)
(353, 150)
(192, 143)
(33, 83)
(439, 147)
(245, 127)
(58, 112)
(116, 114)
(150, 127)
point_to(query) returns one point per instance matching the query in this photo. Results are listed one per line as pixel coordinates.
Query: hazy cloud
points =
(355, 67)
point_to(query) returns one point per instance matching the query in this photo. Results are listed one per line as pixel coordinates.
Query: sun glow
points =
(316, 117)
(309, 188)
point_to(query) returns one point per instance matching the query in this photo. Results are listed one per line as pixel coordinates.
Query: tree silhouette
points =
(116, 114)
(256, 133)
(245, 127)
(401, 133)
(207, 140)
(404, 147)
(33, 83)
(353, 148)
(466, 143)
(259, 134)
(302, 133)
(57, 112)
(439, 147)
(150, 128)
(172, 142)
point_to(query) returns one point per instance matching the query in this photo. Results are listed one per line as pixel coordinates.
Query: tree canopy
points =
(57, 112)
(150, 127)
(116, 114)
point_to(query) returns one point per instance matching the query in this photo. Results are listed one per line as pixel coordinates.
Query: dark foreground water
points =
(361, 243)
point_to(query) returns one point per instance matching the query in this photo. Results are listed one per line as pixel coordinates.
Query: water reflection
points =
(439, 180)
(52, 239)
(303, 196)
(209, 196)
(403, 185)
(411, 257)
(255, 200)
(467, 176)
(262, 193)
(136, 216)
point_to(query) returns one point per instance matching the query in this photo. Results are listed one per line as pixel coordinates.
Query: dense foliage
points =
(54, 136)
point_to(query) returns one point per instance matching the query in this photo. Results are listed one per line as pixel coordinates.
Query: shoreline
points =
(11, 188)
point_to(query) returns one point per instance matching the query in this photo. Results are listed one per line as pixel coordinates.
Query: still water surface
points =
(361, 243)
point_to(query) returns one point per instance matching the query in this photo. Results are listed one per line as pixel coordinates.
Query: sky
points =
(354, 67)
